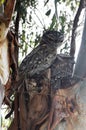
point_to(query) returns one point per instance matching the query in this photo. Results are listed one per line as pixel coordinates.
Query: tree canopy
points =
(30, 21)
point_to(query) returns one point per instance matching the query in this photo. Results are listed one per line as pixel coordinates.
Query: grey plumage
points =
(43, 55)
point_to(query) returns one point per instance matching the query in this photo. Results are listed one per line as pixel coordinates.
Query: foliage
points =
(1, 2)
(33, 21)
(22, 6)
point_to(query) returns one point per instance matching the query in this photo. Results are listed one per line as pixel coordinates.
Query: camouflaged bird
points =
(43, 55)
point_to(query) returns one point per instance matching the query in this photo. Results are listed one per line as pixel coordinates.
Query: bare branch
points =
(75, 24)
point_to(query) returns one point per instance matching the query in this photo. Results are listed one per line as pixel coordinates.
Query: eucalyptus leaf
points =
(48, 12)
(57, 1)
(53, 22)
(1, 2)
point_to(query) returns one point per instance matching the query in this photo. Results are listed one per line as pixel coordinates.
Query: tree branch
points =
(1, 9)
(9, 8)
(75, 24)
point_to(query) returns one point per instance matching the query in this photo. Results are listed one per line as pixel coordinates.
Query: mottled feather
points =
(43, 55)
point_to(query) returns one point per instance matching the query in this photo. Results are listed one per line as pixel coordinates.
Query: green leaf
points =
(53, 22)
(1, 2)
(62, 19)
(57, 1)
(48, 12)
(72, 7)
(64, 0)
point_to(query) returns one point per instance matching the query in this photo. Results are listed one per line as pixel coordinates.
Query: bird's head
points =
(54, 38)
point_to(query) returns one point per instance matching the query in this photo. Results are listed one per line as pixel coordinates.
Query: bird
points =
(43, 55)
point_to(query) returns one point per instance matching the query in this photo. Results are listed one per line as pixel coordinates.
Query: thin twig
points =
(25, 41)
(56, 13)
(39, 18)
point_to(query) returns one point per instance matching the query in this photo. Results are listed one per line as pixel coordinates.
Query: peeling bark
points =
(8, 11)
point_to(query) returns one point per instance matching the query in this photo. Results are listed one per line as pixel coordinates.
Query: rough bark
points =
(78, 121)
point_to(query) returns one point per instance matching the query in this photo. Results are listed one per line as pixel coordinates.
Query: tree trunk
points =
(8, 11)
(80, 67)
(78, 122)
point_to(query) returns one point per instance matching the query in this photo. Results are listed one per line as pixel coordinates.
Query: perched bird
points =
(43, 55)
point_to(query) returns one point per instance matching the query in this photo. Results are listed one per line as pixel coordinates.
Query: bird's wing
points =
(38, 60)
